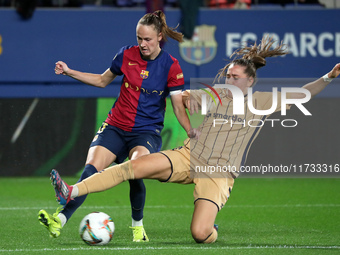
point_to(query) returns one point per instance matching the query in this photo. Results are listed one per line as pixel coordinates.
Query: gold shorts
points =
(180, 164)
(215, 190)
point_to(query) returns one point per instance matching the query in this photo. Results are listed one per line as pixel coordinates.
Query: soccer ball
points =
(96, 228)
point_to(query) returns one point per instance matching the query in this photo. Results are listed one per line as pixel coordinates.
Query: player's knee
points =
(200, 233)
(96, 163)
(134, 165)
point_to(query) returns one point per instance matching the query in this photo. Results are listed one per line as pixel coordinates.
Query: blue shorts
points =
(120, 142)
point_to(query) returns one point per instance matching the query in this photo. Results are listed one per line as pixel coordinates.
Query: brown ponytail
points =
(158, 19)
(254, 57)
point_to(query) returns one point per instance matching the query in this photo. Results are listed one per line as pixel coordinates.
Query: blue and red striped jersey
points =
(145, 86)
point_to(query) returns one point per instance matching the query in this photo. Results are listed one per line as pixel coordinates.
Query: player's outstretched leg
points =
(51, 222)
(61, 188)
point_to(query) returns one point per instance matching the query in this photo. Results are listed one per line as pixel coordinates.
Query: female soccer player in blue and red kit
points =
(133, 126)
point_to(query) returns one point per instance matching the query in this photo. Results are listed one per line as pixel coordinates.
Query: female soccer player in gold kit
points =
(224, 145)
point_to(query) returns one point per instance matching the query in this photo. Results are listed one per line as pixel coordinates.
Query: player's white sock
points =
(75, 191)
(137, 223)
(62, 218)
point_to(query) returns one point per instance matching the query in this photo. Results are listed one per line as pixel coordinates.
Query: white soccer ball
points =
(96, 228)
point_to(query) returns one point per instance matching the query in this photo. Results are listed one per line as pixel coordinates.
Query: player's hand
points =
(335, 71)
(194, 133)
(192, 106)
(61, 68)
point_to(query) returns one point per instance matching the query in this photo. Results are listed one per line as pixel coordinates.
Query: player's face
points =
(237, 77)
(148, 40)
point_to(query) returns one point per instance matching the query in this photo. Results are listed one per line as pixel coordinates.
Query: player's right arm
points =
(97, 80)
(315, 87)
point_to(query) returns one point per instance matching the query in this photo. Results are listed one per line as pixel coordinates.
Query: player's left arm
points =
(315, 87)
(180, 112)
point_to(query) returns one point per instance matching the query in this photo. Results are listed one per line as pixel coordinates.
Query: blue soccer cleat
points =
(61, 188)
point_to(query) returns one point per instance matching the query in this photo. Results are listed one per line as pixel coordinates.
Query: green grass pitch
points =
(263, 216)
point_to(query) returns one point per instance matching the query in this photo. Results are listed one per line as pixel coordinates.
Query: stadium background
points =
(66, 114)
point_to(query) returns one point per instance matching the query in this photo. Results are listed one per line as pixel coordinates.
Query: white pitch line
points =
(250, 247)
(174, 206)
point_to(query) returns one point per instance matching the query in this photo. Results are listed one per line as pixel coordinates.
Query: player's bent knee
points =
(201, 235)
(212, 237)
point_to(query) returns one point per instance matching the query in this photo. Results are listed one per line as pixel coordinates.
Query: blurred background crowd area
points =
(235, 4)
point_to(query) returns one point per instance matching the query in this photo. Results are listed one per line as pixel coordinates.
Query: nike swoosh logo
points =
(132, 64)
(149, 144)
